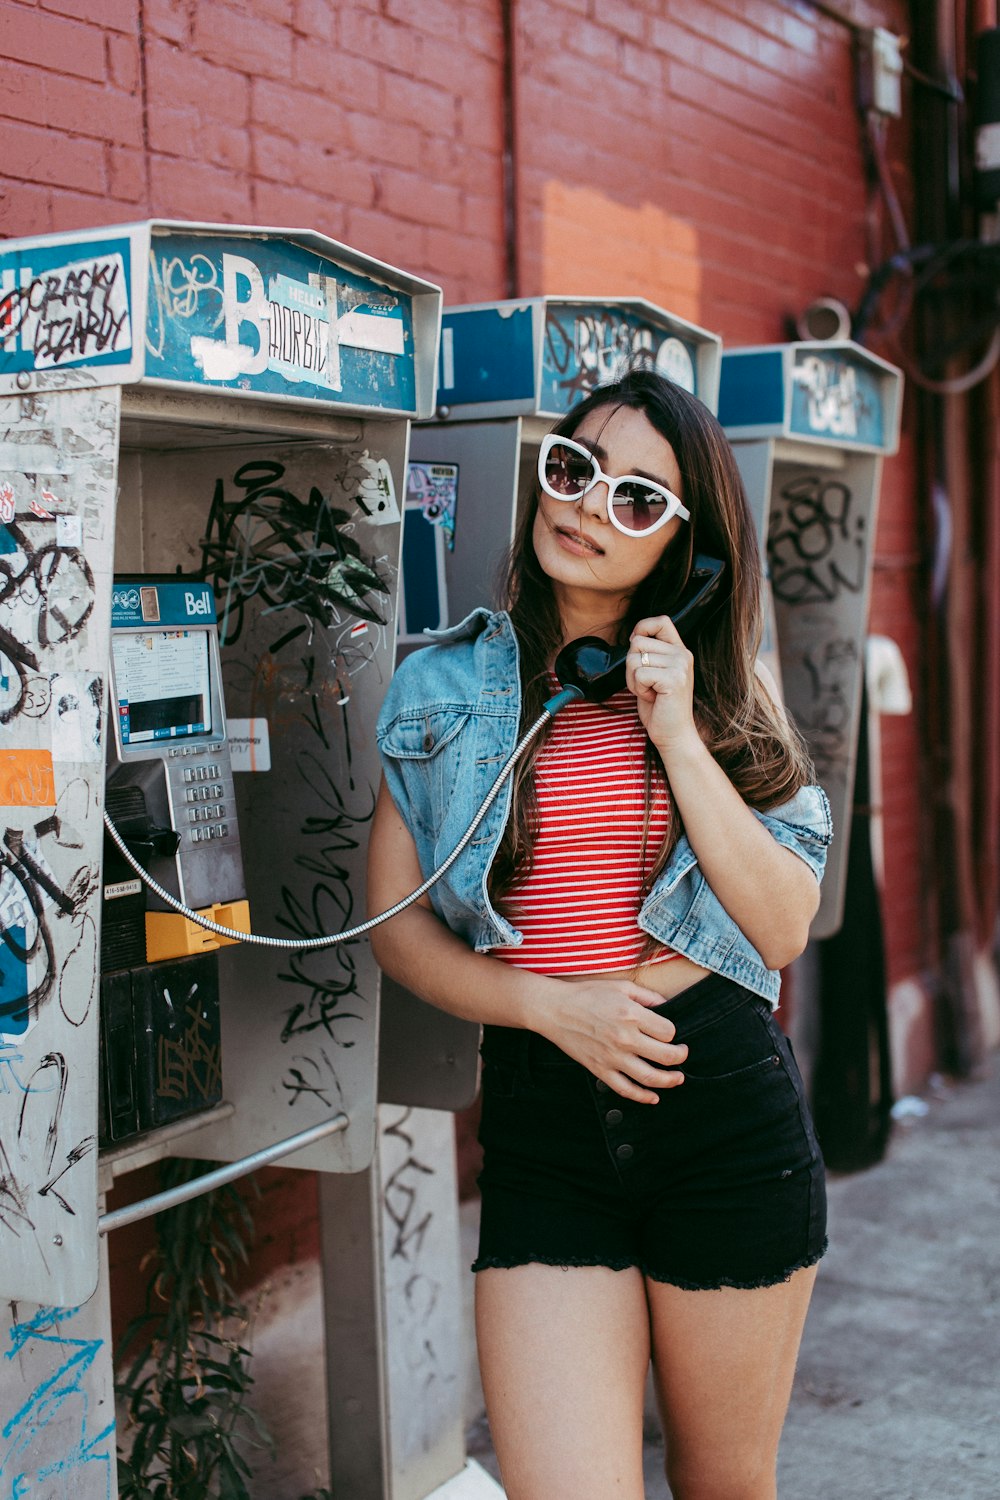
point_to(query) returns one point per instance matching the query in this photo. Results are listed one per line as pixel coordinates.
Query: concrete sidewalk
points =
(897, 1395)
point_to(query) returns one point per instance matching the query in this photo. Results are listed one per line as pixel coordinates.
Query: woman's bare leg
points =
(563, 1355)
(724, 1362)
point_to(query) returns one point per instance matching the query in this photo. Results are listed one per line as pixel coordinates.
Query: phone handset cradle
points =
(588, 668)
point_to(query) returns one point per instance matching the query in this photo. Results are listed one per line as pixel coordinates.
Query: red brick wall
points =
(376, 123)
(709, 160)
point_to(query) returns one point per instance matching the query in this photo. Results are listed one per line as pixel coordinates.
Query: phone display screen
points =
(161, 684)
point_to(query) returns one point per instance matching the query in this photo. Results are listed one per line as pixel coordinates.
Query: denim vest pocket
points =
(415, 742)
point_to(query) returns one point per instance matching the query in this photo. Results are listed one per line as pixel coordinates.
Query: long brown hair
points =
(744, 729)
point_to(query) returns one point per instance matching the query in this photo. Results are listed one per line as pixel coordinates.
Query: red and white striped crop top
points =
(577, 908)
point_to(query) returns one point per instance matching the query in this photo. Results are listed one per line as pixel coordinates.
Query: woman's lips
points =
(576, 542)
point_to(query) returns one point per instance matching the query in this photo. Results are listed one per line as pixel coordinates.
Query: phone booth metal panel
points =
(810, 424)
(248, 393)
(541, 355)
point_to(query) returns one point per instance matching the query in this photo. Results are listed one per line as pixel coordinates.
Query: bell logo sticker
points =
(195, 604)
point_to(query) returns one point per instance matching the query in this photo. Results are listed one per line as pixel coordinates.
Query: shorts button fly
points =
(624, 1152)
(600, 1086)
(613, 1117)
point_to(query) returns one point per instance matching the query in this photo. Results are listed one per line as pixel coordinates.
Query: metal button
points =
(613, 1117)
(428, 742)
(624, 1152)
(600, 1086)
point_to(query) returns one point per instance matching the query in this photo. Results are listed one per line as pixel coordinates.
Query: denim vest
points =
(451, 718)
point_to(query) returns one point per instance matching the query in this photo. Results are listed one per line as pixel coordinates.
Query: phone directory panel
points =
(162, 684)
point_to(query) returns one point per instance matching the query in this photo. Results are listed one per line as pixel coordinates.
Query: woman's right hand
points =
(609, 1026)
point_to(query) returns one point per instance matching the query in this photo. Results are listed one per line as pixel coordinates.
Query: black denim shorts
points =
(719, 1184)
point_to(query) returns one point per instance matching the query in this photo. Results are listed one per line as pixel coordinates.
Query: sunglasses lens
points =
(638, 506)
(567, 473)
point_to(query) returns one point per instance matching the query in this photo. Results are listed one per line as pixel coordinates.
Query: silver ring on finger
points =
(644, 658)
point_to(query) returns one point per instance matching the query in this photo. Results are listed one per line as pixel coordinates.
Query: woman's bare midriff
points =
(667, 979)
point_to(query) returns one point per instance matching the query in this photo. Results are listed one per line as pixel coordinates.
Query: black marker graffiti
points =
(815, 544)
(57, 583)
(37, 1144)
(401, 1196)
(28, 893)
(73, 312)
(315, 1077)
(826, 720)
(329, 976)
(600, 349)
(289, 553)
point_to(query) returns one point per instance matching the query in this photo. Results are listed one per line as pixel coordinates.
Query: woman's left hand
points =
(660, 672)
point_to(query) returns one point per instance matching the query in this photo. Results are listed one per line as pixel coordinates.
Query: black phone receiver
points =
(597, 670)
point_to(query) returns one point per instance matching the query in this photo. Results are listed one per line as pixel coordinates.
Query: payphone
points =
(508, 371)
(198, 420)
(810, 424)
(169, 752)
(171, 795)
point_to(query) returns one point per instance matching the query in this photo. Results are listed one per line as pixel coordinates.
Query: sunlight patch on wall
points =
(593, 245)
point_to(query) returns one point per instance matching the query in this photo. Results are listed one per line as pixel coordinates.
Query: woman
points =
(651, 1184)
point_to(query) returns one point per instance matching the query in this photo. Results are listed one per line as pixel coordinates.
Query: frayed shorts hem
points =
(499, 1263)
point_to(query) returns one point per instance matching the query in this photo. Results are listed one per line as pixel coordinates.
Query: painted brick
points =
(224, 145)
(180, 78)
(452, 257)
(412, 102)
(26, 152)
(352, 82)
(88, 211)
(279, 203)
(275, 157)
(289, 111)
(396, 45)
(115, 15)
(623, 101)
(127, 174)
(172, 129)
(168, 19)
(411, 196)
(377, 233)
(480, 126)
(235, 40)
(53, 42)
(22, 94)
(196, 190)
(90, 109)
(281, 12)
(377, 139)
(482, 216)
(124, 63)
(339, 178)
(620, 15)
(482, 29)
(642, 65)
(315, 18)
(597, 42)
(465, 74)
(25, 208)
(434, 16)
